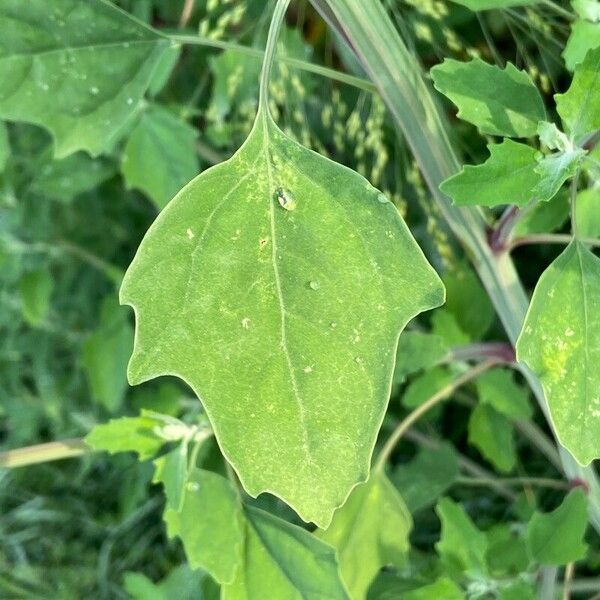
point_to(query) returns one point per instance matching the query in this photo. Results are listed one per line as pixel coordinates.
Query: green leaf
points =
(181, 582)
(441, 588)
(585, 36)
(587, 214)
(587, 9)
(35, 289)
(4, 146)
(172, 471)
(544, 217)
(445, 324)
(507, 550)
(497, 101)
(558, 343)
(79, 69)
(283, 263)
(517, 590)
(210, 525)
(492, 434)
(280, 560)
(369, 532)
(556, 538)
(425, 385)
(137, 434)
(579, 106)
(498, 388)
(462, 547)
(160, 156)
(65, 179)
(105, 355)
(554, 170)
(508, 176)
(418, 351)
(464, 291)
(427, 477)
(476, 5)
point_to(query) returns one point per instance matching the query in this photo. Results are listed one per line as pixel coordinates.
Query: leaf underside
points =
(284, 322)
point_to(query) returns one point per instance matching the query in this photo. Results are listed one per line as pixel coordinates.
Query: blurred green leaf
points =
(588, 212)
(497, 101)
(492, 434)
(498, 388)
(160, 156)
(418, 351)
(556, 538)
(544, 217)
(369, 531)
(36, 290)
(585, 36)
(427, 476)
(425, 385)
(77, 69)
(172, 471)
(490, 4)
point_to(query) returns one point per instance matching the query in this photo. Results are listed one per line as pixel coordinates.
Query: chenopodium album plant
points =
(276, 285)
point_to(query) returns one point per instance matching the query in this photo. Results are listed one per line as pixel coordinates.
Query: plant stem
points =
(335, 75)
(555, 484)
(418, 412)
(267, 66)
(501, 351)
(40, 453)
(569, 572)
(549, 238)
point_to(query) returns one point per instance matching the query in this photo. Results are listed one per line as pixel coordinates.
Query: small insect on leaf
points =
(286, 198)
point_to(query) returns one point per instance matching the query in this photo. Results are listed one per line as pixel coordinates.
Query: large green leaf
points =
(160, 156)
(585, 36)
(508, 176)
(276, 285)
(556, 538)
(497, 101)
(79, 69)
(579, 106)
(369, 532)
(558, 342)
(283, 561)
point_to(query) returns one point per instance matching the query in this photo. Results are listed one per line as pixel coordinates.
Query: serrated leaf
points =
(427, 477)
(281, 560)
(587, 214)
(105, 355)
(556, 538)
(210, 525)
(462, 547)
(497, 101)
(579, 106)
(79, 69)
(508, 176)
(498, 388)
(369, 532)
(160, 156)
(35, 290)
(136, 434)
(554, 170)
(476, 5)
(492, 434)
(584, 37)
(558, 343)
(283, 263)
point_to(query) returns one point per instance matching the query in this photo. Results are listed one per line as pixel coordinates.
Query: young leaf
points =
(79, 69)
(554, 170)
(172, 471)
(137, 434)
(160, 156)
(210, 525)
(35, 290)
(579, 106)
(105, 355)
(558, 342)
(283, 263)
(497, 388)
(508, 176)
(369, 532)
(427, 477)
(556, 538)
(492, 434)
(462, 547)
(497, 101)
(280, 560)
